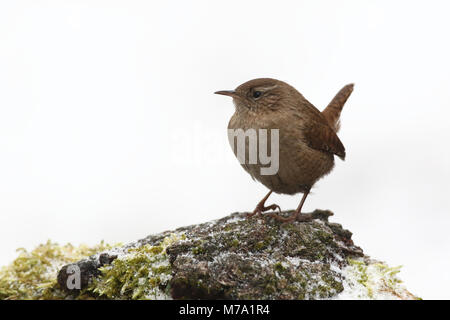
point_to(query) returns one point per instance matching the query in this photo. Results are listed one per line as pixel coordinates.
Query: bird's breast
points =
(265, 143)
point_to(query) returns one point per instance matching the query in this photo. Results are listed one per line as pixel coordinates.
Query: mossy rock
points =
(230, 258)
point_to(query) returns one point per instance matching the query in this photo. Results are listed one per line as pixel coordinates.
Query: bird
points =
(307, 141)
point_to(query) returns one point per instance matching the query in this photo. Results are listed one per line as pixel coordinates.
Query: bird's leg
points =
(260, 207)
(297, 214)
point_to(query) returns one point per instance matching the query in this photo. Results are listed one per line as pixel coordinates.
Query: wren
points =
(307, 138)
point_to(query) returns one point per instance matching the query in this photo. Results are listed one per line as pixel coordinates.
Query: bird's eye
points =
(257, 94)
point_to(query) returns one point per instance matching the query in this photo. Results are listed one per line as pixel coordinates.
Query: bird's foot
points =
(260, 208)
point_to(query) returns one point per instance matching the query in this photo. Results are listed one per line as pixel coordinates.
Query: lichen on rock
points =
(230, 258)
(239, 258)
(32, 275)
(366, 278)
(138, 274)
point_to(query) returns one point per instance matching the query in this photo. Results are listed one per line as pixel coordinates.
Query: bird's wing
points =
(321, 137)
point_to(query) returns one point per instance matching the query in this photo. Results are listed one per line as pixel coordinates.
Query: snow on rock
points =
(230, 258)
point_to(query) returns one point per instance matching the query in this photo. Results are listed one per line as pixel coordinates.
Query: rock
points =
(238, 258)
(32, 275)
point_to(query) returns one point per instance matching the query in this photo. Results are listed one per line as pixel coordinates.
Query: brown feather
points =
(332, 112)
(321, 137)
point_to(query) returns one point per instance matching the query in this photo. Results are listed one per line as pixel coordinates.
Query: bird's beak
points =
(230, 93)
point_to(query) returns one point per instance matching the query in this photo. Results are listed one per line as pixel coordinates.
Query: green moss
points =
(330, 285)
(323, 236)
(260, 245)
(361, 266)
(386, 279)
(229, 227)
(389, 274)
(141, 274)
(279, 267)
(198, 250)
(32, 275)
(235, 243)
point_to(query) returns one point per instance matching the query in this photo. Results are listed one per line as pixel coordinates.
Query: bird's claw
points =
(261, 208)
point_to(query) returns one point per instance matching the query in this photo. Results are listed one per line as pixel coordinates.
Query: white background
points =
(109, 128)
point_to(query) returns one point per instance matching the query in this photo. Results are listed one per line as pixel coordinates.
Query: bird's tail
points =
(333, 111)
